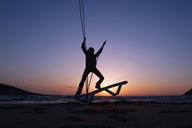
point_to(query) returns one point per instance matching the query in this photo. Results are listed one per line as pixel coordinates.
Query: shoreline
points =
(97, 99)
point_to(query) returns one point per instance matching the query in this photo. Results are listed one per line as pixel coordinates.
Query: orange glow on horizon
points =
(61, 84)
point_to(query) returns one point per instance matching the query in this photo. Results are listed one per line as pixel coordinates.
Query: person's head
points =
(91, 50)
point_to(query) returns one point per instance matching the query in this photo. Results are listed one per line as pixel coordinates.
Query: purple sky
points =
(148, 44)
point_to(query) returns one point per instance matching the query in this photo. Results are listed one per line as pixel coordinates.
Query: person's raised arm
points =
(83, 45)
(101, 49)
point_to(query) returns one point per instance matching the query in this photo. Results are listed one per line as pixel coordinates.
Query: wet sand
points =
(97, 115)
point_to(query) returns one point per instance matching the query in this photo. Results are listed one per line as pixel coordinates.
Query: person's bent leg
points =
(85, 73)
(101, 78)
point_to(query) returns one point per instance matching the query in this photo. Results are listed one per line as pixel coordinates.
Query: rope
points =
(92, 75)
(82, 17)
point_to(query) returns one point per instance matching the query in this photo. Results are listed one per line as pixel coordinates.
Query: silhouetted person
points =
(91, 62)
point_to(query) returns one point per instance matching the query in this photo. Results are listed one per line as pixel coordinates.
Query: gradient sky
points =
(149, 43)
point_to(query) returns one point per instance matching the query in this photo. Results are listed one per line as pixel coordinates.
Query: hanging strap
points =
(82, 17)
(91, 75)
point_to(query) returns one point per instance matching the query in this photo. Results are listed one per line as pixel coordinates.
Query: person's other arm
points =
(101, 49)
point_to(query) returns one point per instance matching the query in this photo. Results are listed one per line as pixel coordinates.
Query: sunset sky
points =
(149, 44)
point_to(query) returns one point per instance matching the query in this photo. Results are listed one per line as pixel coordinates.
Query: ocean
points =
(71, 99)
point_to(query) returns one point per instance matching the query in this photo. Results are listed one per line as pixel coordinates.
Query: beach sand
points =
(97, 115)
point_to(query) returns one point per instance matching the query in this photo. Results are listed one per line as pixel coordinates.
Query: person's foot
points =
(98, 86)
(77, 93)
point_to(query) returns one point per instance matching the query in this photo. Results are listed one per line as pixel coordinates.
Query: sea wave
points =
(97, 99)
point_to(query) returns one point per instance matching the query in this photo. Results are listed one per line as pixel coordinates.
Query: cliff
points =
(188, 92)
(10, 90)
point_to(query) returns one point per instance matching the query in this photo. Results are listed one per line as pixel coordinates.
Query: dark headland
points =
(189, 92)
(10, 90)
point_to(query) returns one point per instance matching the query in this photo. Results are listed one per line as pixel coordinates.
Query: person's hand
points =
(104, 42)
(84, 40)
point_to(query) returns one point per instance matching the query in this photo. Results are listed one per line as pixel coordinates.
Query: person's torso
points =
(90, 60)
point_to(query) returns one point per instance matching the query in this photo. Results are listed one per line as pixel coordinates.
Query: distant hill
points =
(188, 92)
(10, 90)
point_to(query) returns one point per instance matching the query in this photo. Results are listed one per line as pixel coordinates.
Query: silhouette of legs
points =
(101, 78)
(85, 74)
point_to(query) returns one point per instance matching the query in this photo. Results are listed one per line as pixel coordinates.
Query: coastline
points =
(105, 115)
